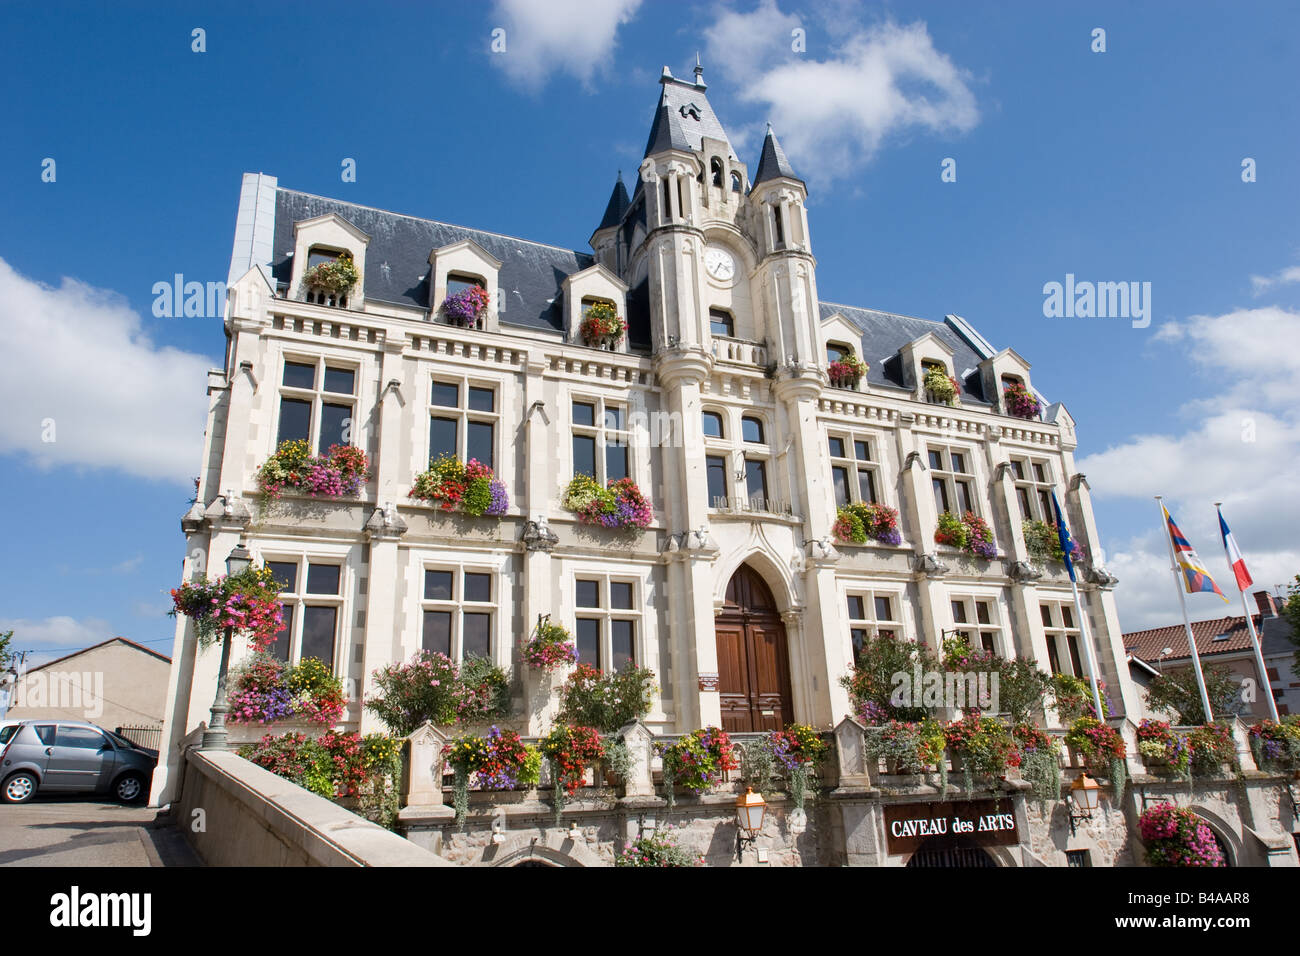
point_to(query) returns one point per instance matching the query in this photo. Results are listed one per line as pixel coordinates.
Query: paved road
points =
(81, 831)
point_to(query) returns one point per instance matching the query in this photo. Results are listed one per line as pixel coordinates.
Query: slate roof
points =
(1148, 644)
(683, 118)
(398, 256)
(1274, 637)
(617, 206)
(884, 333)
(773, 164)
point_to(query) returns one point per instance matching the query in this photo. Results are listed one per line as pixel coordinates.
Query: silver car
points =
(71, 756)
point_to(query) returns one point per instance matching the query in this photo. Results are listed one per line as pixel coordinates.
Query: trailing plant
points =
(657, 849)
(606, 701)
(1039, 760)
(858, 523)
(496, 762)
(602, 325)
(245, 602)
(911, 746)
(339, 473)
(618, 758)
(426, 689)
(757, 765)
(466, 307)
(317, 693)
(1102, 749)
(941, 386)
(1178, 837)
(698, 759)
(1277, 744)
(1022, 688)
(970, 533)
(798, 749)
(1044, 544)
(871, 682)
(1175, 692)
(1020, 401)
(1158, 744)
(470, 487)
(551, 646)
(570, 750)
(619, 505)
(333, 275)
(846, 372)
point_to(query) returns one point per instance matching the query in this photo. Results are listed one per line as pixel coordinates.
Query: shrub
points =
(265, 690)
(339, 473)
(1175, 692)
(1020, 401)
(334, 275)
(656, 849)
(248, 601)
(870, 684)
(1277, 744)
(984, 744)
(484, 692)
(466, 307)
(426, 689)
(942, 386)
(846, 372)
(570, 750)
(1157, 743)
(606, 701)
(602, 325)
(912, 746)
(1073, 697)
(1210, 746)
(1044, 544)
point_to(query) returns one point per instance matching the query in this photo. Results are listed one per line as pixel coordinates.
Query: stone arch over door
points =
(557, 848)
(754, 682)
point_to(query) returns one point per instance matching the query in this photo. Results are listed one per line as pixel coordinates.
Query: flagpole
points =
(1086, 633)
(1182, 601)
(1250, 623)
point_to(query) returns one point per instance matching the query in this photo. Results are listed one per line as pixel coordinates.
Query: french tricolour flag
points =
(1234, 556)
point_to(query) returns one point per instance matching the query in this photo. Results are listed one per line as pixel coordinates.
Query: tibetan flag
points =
(1063, 535)
(1234, 556)
(1195, 577)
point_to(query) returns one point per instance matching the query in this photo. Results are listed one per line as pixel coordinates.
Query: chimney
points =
(1267, 606)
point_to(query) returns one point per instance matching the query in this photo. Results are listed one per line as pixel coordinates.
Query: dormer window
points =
(1018, 400)
(940, 387)
(329, 277)
(467, 300)
(835, 352)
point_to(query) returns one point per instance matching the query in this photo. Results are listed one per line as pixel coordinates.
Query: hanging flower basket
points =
(602, 326)
(970, 533)
(248, 601)
(858, 523)
(467, 307)
(335, 276)
(1178, 837)
(941, 386)
(1020, 402)
(469, 487)
(550, 647)
(846, 372)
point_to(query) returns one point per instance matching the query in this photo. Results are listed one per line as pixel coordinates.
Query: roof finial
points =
(699, 70)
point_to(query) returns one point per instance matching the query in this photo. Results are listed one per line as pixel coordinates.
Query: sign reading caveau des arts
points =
(961, 822)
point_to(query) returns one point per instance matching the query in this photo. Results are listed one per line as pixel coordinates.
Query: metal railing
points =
(150, 737)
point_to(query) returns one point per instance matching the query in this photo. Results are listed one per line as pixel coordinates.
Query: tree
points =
(1291, 611)
(6, 655)
(1175, 693)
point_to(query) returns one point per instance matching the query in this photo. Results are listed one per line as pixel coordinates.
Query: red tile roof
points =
(1147, 645)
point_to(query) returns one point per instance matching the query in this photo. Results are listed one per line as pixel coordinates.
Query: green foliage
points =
(1175, 692)
(334, 275)
(6, 637)
(485, 691)
(870, 684)
(1022, 687)
(1291, 612)
(656, 849)
(606, 701)
(1042, 540)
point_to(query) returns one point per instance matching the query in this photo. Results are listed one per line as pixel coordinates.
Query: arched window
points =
(780, 228)
(716, 166)
(712, 422)
(751, 430)
(458, 282)
(837, 351)
(721, 322)
(735, 182)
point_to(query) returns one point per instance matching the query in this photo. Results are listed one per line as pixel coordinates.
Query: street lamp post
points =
(216, 736)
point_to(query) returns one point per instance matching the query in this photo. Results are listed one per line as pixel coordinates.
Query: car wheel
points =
(129, 787)
(21, 787)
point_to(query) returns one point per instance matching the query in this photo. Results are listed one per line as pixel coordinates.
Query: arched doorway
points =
(941, 851)
(753, 658)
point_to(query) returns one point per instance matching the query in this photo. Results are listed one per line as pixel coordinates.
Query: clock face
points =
(719, 263)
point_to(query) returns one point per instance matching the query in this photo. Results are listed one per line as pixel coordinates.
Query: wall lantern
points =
(750, 808)
(1084, 793)
(238, 560)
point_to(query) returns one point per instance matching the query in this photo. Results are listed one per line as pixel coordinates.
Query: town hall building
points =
(717, 403)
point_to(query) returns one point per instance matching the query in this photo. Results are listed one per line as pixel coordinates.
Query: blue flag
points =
(1063, 535)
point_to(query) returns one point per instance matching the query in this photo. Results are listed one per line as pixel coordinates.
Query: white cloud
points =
(51, 637)
(77, 367)
(577, 37)
(1242, 447)
(1261, 284)
(833, 114)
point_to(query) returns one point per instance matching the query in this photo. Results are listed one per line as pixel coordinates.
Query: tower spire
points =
(699, 70)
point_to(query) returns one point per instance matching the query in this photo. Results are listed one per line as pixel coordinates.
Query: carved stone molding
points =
(538, 536)
(228, 513)
(385, 524)
(1022, 572)
(1101, 578)
(929, 565)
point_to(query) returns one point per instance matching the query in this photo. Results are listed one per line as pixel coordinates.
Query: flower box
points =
(467, 307)
(602, 326)
(846, 372)
(469, 487)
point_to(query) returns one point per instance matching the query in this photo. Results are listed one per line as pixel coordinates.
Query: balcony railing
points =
(739, 351)
(757, 505)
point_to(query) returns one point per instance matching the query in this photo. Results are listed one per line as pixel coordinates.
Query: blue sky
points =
(1123, 165)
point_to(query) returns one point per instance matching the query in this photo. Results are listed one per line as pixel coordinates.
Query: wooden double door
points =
(753, 658)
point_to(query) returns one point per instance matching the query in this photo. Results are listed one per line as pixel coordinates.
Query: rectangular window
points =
(840, 481)
(721, 323)
(950, 477)
(311, 595)
(873, 614)
(601, 441)
(756, 480)
(866, 486)
(981, 614)
(716, 471)
(302, 404)
(458, 612)
(1062, 635)
(318, 628)
(1034, 488)
(606, 622)
(463, 422)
